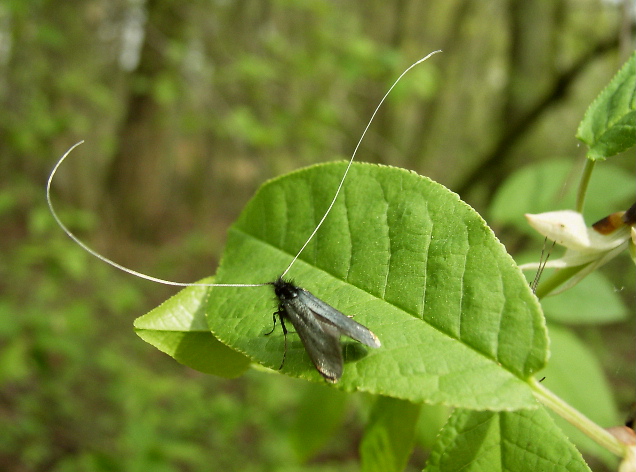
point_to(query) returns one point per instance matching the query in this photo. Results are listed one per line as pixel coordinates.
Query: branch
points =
(493, 159)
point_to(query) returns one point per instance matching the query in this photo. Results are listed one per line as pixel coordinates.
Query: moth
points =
(319, 327)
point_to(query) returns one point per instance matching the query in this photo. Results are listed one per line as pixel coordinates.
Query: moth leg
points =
(282, 323)
(279, 313)
(274, 318)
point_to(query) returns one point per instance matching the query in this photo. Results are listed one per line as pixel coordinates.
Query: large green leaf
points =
(609, 124)
(523, 441)
(420, 268)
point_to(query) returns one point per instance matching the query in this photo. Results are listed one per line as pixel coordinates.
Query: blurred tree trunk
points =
(145, 144)
(534, 28)
(535, 85)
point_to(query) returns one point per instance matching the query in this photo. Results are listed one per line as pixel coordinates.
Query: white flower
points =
(587, 248)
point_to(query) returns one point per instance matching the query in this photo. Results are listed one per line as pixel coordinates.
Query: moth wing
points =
(340, 322)
(321, 341)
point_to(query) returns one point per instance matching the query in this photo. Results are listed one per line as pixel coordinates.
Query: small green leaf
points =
(609, 124)
(523, 441)
(411, 261)
(432, 419)
(389, 436)
(178, 328)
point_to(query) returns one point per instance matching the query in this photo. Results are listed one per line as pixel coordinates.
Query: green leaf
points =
(313, 427)
(575, 375)
(593, 301)
(178, 328)
(432, 419)
(542, 187)
(406, 257)
(525, 440)
(609, 124)
(389, 436)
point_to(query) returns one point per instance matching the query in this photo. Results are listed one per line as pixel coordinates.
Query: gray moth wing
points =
(319, 327)
(342, 323)
(321, 341)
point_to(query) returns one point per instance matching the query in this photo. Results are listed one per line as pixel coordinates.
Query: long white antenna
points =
(105, 259)
(181, 284)
(344, 176)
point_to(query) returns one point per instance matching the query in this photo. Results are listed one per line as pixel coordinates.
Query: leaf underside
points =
(178, 328)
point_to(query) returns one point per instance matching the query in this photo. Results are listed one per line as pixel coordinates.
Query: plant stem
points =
(557, 279)
(578, 419)
(585, 180)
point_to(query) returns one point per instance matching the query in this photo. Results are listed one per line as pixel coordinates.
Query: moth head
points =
(285, 290)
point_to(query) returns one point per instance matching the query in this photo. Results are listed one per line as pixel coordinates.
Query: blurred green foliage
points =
(186, 109)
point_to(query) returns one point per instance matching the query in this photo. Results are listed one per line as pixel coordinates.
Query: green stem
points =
(578, 419)
(558, 278)
(585, 180)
